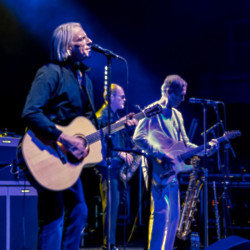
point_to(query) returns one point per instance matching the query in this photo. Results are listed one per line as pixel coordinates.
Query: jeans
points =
(62, 216)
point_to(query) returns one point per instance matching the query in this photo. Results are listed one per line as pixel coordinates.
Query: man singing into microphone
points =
(156, 135)
(60, 92)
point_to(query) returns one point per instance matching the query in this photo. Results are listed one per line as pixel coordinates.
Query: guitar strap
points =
(82, 82)
(179, 125)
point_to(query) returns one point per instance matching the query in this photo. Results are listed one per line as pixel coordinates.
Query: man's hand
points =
(213, 147)
(74, 145)
(129, 120)
(128, 158)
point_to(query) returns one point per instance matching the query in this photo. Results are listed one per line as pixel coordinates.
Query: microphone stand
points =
(109, 55)
(108, 156)
(226, 201)
(205, 188)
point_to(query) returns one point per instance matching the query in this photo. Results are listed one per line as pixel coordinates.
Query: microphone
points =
(212, 128)
(106, 52)
(204, 101)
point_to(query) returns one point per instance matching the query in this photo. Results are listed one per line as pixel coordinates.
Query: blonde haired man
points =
(60, 92)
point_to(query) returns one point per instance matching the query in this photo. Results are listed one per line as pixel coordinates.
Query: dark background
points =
(207, 42)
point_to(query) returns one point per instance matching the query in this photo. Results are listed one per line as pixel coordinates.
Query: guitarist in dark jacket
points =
(119, 140)
(60, 92)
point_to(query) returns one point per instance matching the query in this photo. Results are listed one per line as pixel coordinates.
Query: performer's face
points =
(80, 47)
(176, 97)
(118, 99)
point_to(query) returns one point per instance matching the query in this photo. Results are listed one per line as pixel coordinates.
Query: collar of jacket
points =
(74, 65)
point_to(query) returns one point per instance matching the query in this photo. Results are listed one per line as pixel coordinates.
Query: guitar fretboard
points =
(195, 151)
(92, 138)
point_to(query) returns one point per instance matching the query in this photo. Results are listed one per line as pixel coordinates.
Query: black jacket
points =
(56, 97)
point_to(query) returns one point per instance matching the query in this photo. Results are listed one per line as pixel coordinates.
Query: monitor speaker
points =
(231, 242)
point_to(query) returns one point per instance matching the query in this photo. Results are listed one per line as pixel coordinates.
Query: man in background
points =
(156, 135)
(119, 139)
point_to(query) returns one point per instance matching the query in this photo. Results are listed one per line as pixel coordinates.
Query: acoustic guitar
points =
(53, 166)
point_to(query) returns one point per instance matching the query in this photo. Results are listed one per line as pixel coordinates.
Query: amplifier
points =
(19, 221)
(8, 146)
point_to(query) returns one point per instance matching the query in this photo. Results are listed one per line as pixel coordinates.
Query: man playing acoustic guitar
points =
(60, 92)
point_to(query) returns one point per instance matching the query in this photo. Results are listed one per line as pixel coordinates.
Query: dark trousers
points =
(116, 190)
(62, 216)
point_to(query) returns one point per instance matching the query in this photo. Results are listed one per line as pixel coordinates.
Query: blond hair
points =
(61, 40)
(113, 89)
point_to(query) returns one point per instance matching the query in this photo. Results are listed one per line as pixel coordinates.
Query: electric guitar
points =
(164, 172)
(53, 166)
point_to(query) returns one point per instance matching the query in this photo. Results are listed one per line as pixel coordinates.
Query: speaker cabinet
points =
(18, 216)
(231, 242)
(8, 146)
